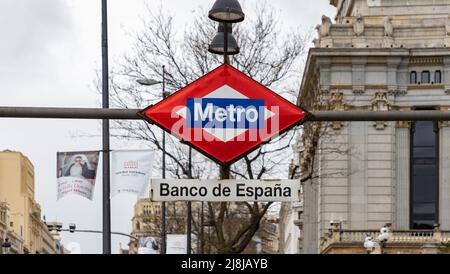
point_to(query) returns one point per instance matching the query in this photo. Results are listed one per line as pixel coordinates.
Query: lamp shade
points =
(217, 45)
(227, 11)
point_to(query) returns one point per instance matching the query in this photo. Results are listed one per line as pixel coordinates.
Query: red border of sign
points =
(307, 117)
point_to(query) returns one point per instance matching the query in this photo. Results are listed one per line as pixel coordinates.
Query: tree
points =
(267, 56)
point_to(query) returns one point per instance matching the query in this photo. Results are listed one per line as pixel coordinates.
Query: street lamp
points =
(147, 82)
(217, 45)
(6, 246)
(229, 11)
(225, 12)
(369, 244)
(383, 238)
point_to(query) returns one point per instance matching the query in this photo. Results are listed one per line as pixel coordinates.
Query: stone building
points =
(21, 221)
(378, 55)
(291, 218)
(146, 221)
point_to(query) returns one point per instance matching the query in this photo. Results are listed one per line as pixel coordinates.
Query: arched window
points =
(413, 78)
(424, 175)
(425, 77)
(437, 77)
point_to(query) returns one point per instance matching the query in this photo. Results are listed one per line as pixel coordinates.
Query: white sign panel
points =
(176, 244)
(131, 172)
(226, 190)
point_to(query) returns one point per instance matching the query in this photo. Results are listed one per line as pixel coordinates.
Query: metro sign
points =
(225, 114)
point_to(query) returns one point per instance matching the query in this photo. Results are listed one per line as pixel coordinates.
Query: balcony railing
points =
(336, 236)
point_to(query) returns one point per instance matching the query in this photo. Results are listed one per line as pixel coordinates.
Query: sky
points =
(50, 52)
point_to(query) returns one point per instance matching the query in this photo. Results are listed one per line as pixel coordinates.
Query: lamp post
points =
(105, 134)
(151, 82)
(225, 12)
(189, 208)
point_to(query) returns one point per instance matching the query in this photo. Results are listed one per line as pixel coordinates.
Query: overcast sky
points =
(49, 54)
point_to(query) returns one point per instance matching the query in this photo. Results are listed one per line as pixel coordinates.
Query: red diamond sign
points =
(225, 114)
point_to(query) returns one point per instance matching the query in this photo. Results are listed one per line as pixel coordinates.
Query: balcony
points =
(16, 243)
(400, 242)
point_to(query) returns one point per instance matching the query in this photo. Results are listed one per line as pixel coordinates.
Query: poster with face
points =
(149, 245)
(76, 173)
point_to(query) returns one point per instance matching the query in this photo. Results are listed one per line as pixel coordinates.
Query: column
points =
(444, 175)
(402, 169)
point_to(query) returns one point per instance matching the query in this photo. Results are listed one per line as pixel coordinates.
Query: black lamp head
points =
(217, 45)
(227, 11)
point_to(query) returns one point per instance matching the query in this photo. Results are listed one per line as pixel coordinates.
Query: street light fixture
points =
(147, 82)
(369, 244)
(229, 11)
(225, 12)
(217, 45)
(6, 246)
(72, 228)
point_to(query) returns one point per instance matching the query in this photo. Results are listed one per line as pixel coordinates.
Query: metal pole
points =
(105, 135)
(132, 114)
(163, 206)
(225, 39)
(189, 208)
(202, 229)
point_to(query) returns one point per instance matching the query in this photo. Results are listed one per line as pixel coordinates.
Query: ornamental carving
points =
(380, 102)
(325, 27)
(403, 124)
(358, 25)
(388, 27)
(337, 101)
(447, 26)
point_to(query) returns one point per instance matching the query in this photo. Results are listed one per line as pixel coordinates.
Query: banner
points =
(176, 244)
(131, 172)
(225, 190)
(149, 245)
(76, 173)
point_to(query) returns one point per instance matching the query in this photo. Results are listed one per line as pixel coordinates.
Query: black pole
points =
(163, 206)
(105, 134)
(225, 50)
(202, 229)
(189, 208)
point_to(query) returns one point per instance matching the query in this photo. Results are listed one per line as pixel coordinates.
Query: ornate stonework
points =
(364, 62)
(403, 124)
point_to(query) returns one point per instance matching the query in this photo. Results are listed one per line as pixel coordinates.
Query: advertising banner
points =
(176, 244)
(149, 245)
(226, 190)
(76, 173)
(131, 172)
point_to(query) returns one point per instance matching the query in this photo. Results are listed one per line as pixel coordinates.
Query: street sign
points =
(225, 190)
(225, 114)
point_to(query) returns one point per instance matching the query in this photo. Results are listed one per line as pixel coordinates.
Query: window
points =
(425, 77)
(413, 78)
(424, 175)
(437, 77)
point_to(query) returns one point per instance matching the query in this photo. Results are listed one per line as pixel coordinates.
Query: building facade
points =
(377, 55)
(291, 216)
(21, 214)
(146, 221)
